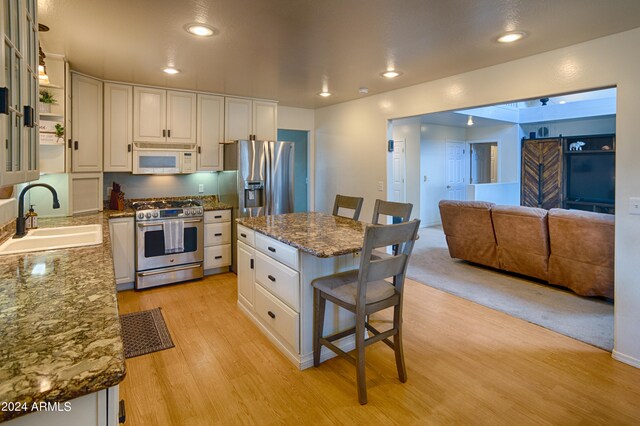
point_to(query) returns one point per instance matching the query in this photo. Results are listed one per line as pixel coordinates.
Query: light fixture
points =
(43, 78)
(325, 94)
(511, 36)
(363, 90)
(171, 70)
(562, 102)
(200, 30)
(470, 121)
(391, 74)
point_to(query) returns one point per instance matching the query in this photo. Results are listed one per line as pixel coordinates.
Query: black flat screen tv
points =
(591, 178)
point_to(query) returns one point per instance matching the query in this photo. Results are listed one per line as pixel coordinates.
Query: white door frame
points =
(468, 164)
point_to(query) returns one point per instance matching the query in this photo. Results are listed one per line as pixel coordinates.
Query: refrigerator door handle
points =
(268, 183)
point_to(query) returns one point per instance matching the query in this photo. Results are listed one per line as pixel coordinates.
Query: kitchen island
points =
(60, 334)
(278, 257)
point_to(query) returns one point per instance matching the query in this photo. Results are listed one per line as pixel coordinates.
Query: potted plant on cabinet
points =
(59, 132)
(46, 100)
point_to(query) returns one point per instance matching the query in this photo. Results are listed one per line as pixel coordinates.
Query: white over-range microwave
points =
(163, 162)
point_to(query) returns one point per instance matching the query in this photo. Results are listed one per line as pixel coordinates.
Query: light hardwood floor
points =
(466, 364)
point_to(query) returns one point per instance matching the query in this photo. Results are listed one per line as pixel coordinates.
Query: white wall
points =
(42, 199)
(508, 138)
(291, 118)
(351, 139)
(433, 154)
(499, 193)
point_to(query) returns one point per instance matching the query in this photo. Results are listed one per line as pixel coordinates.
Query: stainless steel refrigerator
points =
(257, 181)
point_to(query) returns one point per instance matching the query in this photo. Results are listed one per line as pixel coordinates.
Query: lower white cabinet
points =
(123, 249)
(275, 292)
(246, 273)
(85, 193)
(217, 240)
(95, 409)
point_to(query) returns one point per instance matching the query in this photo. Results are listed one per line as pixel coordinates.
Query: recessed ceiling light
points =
(391, 74)
(200, 30)
(470, 121)
(363, 90)
(562, 102)
(324, 94)
(170, 70)
(511, 36)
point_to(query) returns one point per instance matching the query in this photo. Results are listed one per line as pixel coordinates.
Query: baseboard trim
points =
(634, 362)
(125, 286)
(346, 344)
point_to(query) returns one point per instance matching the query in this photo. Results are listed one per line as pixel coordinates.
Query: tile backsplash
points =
(156, 186)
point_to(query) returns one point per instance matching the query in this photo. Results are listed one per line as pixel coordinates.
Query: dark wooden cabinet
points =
(575, 172)
(541, 183)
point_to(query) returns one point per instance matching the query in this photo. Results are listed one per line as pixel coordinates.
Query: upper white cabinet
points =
(210, 132)
(86, 124)
(250, 119)
(18, 92)
(118, 127)
(164, 116)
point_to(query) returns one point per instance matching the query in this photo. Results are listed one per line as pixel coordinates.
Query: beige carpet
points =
(587, 319)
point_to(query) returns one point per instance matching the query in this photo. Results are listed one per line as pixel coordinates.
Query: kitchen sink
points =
(54, 238)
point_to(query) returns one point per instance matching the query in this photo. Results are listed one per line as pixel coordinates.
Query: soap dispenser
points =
(31, 219)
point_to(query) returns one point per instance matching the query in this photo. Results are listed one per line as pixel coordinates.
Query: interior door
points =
(454, 171)
(540, 184)
(399, 170)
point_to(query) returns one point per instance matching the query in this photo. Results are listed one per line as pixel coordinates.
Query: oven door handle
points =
(146, 224)
(165, 270)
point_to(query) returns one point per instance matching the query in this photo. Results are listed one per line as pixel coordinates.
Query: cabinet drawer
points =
(278, 317)
(279, 251)
(217, 233)
(246, 235)
(281, 281)
(217, 256)
(217, 216)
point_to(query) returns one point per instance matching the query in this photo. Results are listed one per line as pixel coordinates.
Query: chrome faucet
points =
(20, 221)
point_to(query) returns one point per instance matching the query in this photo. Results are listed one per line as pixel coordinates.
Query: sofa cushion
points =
(522, 236)
(469, 231)
(582, 251)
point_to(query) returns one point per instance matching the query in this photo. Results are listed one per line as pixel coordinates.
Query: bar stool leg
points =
(319, 304)
(360, 364)
(397, 343)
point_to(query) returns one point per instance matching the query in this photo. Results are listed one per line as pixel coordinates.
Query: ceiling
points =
(288, 50)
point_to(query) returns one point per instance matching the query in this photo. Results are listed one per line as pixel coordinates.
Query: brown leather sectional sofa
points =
(568, 248)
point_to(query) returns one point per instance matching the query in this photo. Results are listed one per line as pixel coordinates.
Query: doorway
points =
(483, 162)
(300, 138)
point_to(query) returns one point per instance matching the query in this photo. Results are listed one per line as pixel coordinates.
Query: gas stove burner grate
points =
(165, 204)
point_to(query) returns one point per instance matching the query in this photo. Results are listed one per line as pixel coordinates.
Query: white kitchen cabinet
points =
(246, 273)
(164, 116)
(123, 249)
(95, 409)
(250, 119)
(86, 120)
(217, 240)
(118, 127)
(210, 132)
(85, 193)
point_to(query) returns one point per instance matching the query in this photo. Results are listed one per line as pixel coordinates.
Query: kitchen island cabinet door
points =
(86, 124)
(118, 127)
(246, 274)
(181, 117)
(95, 409)
(149, 114)
(210, 134)
(122, 246)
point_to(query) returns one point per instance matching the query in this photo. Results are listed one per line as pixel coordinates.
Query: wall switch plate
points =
(634, 205)
(380, 186)
(201, 188)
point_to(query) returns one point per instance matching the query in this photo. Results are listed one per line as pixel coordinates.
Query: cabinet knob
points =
(271, 249)
(75, 145)
(251, 264)
(271, 314)
(243, 235)
(164, 133)
(128, 147)
(169, 133)
(218, 234)
(272, 278)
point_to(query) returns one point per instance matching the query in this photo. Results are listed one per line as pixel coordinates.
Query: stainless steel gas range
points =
(169, 242)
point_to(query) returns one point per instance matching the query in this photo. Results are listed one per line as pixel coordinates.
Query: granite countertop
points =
(320, 234)
(60, 332)
(209, 202)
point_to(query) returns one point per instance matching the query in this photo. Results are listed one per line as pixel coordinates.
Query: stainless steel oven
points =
(155, 264)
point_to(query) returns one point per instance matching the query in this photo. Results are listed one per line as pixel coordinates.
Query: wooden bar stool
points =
(401, 212)
(364, 292)
(351, 203)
